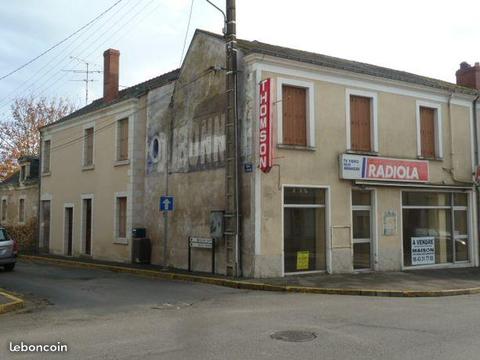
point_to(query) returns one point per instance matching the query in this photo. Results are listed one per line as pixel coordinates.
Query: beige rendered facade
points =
(395, 120)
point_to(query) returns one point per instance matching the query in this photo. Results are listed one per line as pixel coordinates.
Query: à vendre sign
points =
(265, 126)
(359, 167)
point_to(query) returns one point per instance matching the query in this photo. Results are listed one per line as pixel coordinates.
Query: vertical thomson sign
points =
(265, 126)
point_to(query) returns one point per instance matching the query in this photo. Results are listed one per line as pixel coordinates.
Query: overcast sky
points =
(424, 37)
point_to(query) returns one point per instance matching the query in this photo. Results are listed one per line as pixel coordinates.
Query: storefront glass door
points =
(304, 229)
(362, 229)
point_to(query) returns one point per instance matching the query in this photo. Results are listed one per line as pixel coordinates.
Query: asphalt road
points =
(103, 315)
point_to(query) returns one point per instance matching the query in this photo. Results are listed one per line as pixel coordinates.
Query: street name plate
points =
(204, 243)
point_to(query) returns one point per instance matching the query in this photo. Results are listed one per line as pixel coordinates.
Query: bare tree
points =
(20, 136)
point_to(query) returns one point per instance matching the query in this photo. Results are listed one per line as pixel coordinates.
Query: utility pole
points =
(232, 151)
(87, 73)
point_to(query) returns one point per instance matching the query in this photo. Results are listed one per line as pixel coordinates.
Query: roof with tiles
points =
(134, 91)
(257, 47)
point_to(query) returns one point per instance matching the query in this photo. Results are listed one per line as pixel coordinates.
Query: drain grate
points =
(294, 335)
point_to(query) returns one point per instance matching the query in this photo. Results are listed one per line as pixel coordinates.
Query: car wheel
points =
(9, 267)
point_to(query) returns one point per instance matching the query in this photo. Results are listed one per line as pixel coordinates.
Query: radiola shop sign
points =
(358, 167)
(265, 126)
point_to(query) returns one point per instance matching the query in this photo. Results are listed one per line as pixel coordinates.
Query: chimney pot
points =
(110, 74)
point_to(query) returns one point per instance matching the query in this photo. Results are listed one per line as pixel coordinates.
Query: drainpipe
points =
(475, 144)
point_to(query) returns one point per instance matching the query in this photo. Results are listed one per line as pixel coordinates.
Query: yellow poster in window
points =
(302, 260)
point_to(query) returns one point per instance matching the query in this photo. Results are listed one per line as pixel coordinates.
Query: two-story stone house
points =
(372, 168)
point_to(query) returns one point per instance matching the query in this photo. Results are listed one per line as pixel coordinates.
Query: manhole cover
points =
(294, 335)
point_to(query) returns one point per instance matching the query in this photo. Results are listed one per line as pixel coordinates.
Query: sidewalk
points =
(413, 283)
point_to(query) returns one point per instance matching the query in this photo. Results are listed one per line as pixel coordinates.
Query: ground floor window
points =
(435, 228)
(362, 229)
(304, 229)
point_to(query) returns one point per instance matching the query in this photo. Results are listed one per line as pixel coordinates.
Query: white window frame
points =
(65, 247)
(42, 168)
(438, 128)
(116, 147)
(24, 198)
(374, 117)
(310, 118)
(85, 128)
(328, 235)
(116, 238)
(82, 222)
(373, 240)
(4, 198)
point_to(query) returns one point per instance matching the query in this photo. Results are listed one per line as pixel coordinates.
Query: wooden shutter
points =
(427, 132)
(122, 217)
(360, 123)
(46, 156)
(88, 156)
(294, 104)
(21, 212)
(4, 210)
(123, 139)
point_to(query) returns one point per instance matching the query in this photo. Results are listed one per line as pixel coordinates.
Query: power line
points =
(61, 42)
(4, 101)
(186, 32)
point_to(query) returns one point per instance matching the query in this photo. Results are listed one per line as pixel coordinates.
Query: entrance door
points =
(362, 229)
(87, 206)
(304, 229)
(69, 230)
(45, 225)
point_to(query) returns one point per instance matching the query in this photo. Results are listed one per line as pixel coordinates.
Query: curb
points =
(15, 303)
(247, 285)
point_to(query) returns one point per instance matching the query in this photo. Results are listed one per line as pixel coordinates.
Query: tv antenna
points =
(87, 73)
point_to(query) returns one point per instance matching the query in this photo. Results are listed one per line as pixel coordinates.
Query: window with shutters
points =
(88, 139)
(294, 110)
(46, 157)
(296, 127)
(429, 131)
(361, 112)
(21, 211)
(122, 140)
(4, 209)
(122, 217)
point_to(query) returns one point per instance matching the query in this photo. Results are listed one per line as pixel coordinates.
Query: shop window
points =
(435, 228)
(304, 229)
(362, 229)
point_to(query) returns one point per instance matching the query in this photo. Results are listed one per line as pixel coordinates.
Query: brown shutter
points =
(123, 139)
(46, 156)
(88, 157)
(122, 217)
(294, 115)
(360, 123)
(427, 132)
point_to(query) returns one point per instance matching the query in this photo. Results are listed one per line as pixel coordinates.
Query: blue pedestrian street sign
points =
(166, 203)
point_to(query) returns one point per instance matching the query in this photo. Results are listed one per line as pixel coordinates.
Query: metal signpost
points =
(166, 205)
(201, 243)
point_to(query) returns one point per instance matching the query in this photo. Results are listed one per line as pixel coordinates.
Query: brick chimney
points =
(469, 76)
(110, 74)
